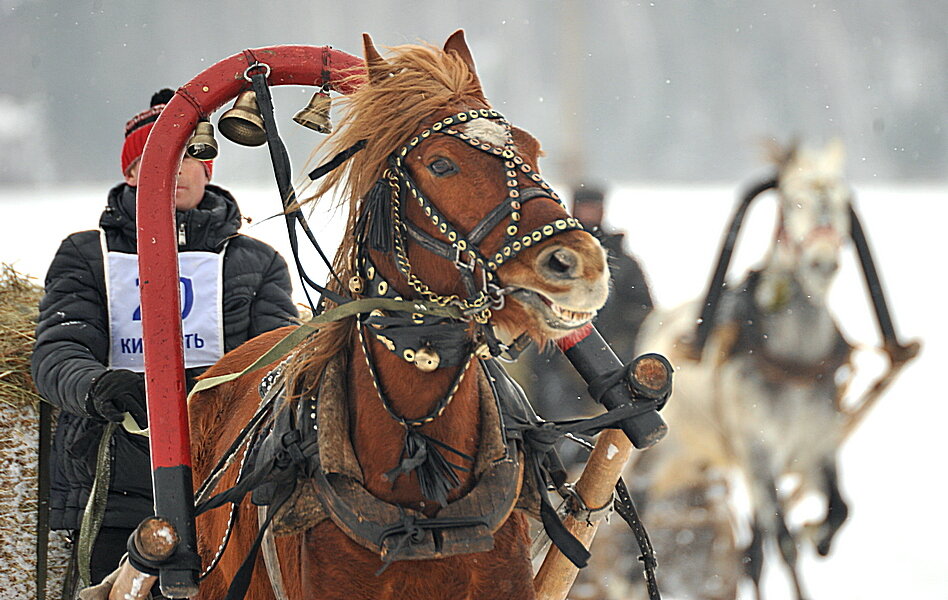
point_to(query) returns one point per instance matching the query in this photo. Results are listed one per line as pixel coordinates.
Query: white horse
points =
(758, 390)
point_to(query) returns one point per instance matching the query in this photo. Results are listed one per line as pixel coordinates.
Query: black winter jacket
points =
(72, 341)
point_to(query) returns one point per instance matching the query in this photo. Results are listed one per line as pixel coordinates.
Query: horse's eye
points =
(442, 167)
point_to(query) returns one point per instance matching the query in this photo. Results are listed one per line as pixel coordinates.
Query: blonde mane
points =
(402, 96)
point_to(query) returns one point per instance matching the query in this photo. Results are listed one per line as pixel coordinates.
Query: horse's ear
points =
(457, 44)
(374, 62)
(779, 154)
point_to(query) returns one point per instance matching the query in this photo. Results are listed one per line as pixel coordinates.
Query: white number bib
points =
(200, 283)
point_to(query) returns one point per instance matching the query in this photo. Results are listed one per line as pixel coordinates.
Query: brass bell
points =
(202, 144)
(427, 360)
(356, 284)
(243, 124)
(316, 114)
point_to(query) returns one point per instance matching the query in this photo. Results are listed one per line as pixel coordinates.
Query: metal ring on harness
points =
(255, 66)
(576, 506)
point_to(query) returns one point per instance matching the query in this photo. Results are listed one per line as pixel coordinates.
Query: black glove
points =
(119, 392)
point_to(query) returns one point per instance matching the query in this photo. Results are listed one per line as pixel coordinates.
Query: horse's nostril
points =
(561, 262)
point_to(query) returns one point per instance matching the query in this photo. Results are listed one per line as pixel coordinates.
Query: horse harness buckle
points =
(576, 506)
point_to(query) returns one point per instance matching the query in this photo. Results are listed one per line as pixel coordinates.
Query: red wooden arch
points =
(158, 266)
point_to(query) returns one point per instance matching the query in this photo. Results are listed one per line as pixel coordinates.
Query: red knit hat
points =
(139, 126)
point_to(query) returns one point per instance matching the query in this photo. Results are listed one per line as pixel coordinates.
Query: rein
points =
(281, 170)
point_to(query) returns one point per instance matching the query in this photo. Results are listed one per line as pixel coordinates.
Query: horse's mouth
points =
(555, 316)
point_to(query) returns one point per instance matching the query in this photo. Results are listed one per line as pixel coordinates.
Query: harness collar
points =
(332, 485)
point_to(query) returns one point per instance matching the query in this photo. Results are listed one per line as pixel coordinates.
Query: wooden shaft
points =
(595, 486)
(156, 540)
(132, 584)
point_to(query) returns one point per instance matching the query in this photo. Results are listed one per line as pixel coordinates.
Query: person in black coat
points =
(88, 354)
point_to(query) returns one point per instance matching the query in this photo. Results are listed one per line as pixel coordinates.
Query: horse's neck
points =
(378, 438)
(797, 327)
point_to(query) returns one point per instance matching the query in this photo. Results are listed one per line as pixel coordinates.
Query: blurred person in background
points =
(630, 300)
(88, 358)
(552, 384)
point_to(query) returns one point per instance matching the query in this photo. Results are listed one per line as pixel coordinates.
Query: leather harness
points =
(299, 460)
(749, 342)
(333, 486)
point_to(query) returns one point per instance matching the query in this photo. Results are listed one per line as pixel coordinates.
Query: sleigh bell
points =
(243, 124)
(202, 144)
(316, 114)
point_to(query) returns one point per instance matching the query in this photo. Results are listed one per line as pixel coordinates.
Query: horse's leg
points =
(788, 550)
(755, 460)
(836, 509)
(768, 521)
(754, 554)
(786, 541)
(754, 557)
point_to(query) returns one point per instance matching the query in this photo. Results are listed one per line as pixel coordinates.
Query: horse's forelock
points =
(488, 131)
(422, 81)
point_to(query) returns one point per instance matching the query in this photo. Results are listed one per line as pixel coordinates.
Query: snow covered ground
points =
(892, 468)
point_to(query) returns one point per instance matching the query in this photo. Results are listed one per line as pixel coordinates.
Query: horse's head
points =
(452, 191)
(814, 214)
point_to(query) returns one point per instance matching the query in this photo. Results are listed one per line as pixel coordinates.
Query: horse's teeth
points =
(569, 315)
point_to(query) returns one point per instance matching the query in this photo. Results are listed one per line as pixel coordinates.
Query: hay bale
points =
(19, 302)
(19, 439)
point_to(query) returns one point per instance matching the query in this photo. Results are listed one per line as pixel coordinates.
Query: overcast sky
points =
(618, 91)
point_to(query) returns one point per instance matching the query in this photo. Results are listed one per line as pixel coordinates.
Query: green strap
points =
(295, 337)
(95, 508)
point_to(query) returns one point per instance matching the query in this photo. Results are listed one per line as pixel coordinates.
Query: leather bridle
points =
(463, 249)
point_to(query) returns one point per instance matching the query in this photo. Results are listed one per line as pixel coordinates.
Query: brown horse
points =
(520, 264)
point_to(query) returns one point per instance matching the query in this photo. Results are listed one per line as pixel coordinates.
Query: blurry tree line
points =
(615, 90)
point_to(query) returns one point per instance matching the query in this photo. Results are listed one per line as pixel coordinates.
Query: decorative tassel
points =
(435, 474)
(377, 208)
